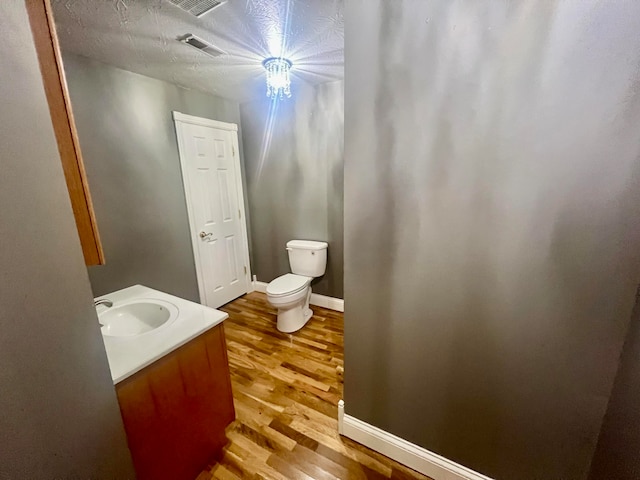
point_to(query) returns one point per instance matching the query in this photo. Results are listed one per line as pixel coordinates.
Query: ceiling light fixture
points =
(278, 81)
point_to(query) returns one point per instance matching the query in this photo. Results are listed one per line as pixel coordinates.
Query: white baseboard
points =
(406, 453)
(331, 303)
(260, 286)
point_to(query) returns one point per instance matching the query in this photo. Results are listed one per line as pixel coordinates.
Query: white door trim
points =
(179, 119)
(206, 122)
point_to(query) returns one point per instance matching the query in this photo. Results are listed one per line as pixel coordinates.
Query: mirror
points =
(130, 65)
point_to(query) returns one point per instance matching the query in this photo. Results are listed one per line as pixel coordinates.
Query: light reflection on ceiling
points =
(141, 36)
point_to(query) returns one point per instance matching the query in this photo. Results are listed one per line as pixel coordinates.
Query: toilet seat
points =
(287, 284)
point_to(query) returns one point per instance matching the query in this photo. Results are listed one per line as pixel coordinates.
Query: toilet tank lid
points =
(307, 244)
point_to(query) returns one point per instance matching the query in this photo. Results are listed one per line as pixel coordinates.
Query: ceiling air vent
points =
(203, 46)
(197, 7)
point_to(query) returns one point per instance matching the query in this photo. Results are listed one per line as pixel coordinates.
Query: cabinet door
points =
(175, 411)
(55, 86)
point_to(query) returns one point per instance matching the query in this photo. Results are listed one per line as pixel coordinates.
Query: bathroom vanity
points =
(172, 380)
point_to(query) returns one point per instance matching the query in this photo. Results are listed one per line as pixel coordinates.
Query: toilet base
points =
(293, 319)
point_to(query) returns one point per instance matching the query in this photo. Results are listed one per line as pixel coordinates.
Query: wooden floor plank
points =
(220, 472)
(286, 389)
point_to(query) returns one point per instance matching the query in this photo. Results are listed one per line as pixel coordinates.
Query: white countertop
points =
(128, 355)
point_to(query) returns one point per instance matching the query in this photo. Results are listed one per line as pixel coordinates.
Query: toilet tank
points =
(307, 257)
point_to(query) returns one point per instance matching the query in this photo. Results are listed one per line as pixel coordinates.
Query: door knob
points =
(205, 235)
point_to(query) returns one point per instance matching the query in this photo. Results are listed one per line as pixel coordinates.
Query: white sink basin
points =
(131, 353)
(136, 318)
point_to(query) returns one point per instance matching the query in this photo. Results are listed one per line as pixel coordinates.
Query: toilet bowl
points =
(290, 293)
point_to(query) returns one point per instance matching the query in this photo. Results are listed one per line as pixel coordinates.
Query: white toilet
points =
(290, 293)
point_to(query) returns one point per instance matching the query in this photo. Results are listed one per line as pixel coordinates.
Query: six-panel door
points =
(213, 192)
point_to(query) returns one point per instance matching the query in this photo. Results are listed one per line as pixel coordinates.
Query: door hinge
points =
(233, 150)
(245, 269)
(239, 214)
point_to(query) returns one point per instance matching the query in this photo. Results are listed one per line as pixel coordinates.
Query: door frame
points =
(178, 120)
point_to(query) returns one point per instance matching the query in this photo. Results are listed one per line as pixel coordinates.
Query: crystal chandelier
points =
(278, 81)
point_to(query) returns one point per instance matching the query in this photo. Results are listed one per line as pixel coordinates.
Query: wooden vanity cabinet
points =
(55, 86)
(175, 411)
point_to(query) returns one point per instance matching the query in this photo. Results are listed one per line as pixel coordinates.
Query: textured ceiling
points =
(141, 36)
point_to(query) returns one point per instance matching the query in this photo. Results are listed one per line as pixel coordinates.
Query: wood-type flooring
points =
(286, 389)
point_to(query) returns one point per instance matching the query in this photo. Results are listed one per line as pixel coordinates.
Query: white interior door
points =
(213, 188)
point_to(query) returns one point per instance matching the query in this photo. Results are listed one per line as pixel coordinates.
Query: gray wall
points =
(294, 164)
(492, 211)
(59, 413)
(616, 456)
(128, 141)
